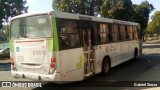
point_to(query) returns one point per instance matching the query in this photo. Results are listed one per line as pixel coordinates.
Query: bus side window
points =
(110, 32)
(102, 32)
(127, 34)
(107, 33)
(130, 32)
(122, 32)
(69, 35)
(115, 33)
(135, 32)
(64, 42)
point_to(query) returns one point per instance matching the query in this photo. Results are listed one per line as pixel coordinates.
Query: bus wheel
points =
(105, 66)
(135, 53)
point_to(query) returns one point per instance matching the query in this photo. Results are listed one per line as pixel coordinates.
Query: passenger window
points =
(130, 32)
(135, 32)
(103, 33)
(69, 35)
(122, 32)
(115, 33)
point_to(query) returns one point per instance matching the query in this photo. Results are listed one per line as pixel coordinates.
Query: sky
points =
(39, 5)
(46, 5)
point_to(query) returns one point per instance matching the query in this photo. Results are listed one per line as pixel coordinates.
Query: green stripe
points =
(53, 42)
(50, 44)
(11, 45)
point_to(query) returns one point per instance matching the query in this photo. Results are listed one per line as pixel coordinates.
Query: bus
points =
(59, 46)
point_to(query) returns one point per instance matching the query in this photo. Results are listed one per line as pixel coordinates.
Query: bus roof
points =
(29, 14)
(78, 17)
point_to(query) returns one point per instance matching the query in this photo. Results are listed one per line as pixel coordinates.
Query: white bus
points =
(57, 46)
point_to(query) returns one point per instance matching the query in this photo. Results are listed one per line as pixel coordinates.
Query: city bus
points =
(59, 46)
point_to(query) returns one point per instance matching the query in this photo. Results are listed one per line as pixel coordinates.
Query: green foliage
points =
(116, 9)
(85, 7)
(10, 8)
(7, 31)
(150, 28)
(154, 25)
(125, 10)
(141, 13)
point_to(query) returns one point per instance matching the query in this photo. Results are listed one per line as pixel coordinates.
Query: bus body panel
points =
(32, 55)
(100, 53)
(118, 52)
(115, 54)
(124, 50)
(72, 67)
(37, 76)
(35, 73)
(112, 50)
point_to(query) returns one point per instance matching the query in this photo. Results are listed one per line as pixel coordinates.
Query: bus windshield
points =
(31, 27)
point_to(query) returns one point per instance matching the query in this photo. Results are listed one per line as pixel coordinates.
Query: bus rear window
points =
(31, 27)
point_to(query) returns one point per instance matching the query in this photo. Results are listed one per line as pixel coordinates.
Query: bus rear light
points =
(53, 60)
(12, 62)
(52, 65)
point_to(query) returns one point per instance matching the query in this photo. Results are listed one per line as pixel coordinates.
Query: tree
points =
(150, 28)
(7, 32)
(85, 7)
(10, 8)
(116, 9)
(154, 25)
(125, 10)
(141, 13)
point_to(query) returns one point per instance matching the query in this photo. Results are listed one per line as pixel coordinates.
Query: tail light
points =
(12, 62)
(53, 60)
(52, 65)
(11, 59)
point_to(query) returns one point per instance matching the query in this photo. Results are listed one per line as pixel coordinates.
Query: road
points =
(143, 68)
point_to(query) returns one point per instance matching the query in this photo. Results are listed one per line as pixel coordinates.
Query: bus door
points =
(87, 41)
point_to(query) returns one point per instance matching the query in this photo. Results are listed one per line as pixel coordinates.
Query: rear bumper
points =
(36, 76)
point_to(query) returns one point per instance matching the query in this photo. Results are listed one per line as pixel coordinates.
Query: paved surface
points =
(144, 68)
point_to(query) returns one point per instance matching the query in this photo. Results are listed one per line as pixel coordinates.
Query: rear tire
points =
(105, 66)
(135, 53)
